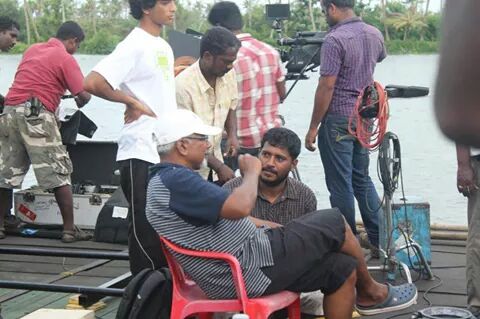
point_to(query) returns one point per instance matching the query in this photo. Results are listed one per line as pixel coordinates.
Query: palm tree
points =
(408, 21)
(29, 20)
(427, 7)
(247, 4)
(312, 18)
(384, 19)
(27, 24)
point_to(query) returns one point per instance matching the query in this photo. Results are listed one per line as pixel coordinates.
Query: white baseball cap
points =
(174, 125)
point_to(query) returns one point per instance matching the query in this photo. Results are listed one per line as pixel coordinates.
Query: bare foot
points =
(372, 295)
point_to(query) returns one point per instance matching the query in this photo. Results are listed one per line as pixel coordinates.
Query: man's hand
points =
(261, 222)
(136, 109)
(249, 164)
(310, 139)
(82, 98)
(232, 147)
(224, 173)
(466, 180)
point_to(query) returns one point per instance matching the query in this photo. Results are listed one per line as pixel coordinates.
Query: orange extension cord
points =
(370, 131)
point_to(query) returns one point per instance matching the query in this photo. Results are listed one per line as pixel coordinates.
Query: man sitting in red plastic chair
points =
(316, 251)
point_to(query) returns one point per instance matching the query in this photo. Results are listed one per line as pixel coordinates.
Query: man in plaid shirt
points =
(260, 77)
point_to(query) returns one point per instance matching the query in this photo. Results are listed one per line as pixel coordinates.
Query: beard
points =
(275, 182)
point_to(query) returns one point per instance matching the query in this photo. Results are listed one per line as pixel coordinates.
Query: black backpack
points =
(148, 295)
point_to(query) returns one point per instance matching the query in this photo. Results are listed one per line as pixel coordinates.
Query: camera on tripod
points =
(304, 52)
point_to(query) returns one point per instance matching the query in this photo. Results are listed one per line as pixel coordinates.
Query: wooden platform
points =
(447, 289)
(59, 270)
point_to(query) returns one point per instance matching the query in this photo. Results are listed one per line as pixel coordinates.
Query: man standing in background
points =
(9, 30)
(260, 77)
(468, 179)
(349, 54)
(209, 89)
(139, 74)
(30, 133)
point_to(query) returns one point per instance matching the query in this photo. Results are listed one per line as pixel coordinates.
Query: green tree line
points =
(408, 25)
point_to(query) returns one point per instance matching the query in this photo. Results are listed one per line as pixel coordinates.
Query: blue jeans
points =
(346, 173)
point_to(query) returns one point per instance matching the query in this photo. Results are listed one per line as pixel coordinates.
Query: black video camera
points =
(304, 52)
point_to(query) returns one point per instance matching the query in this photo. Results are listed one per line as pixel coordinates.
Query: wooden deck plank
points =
(104, 271)
(110, 311)
(111, 308)
(84, 281)
(43, 259)
(33, 267)
(21, 276)
(119, 263)
(30, 302)
(56, 269)
(45, 242)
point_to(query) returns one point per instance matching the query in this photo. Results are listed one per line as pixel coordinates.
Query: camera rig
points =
(303, 54)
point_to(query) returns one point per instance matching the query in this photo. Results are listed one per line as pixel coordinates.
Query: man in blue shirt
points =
(349, 54)
(315, 251)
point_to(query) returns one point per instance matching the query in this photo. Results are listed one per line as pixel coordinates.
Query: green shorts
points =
(32, 140)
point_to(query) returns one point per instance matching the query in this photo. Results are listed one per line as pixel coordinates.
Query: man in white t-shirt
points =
(139, 74)
(468, 181)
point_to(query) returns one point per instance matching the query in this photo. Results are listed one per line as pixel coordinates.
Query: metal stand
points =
(390, 251)
(392, 162)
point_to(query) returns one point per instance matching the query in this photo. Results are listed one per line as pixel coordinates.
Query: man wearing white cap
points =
(304, 255)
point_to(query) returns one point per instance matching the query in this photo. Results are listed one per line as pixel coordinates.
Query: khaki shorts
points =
(32, 140)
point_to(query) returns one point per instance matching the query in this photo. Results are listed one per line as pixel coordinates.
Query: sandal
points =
(398, 298)
(70, 236)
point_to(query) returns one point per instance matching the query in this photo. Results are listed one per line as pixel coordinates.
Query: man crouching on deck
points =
(316, 251)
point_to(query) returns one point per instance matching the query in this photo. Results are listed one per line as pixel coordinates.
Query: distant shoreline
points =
(412, 47)
(394, 47)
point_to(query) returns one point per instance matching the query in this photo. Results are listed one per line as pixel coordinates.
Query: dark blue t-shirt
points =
(191, 197)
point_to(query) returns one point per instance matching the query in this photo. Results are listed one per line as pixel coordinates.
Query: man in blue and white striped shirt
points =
(316, 251)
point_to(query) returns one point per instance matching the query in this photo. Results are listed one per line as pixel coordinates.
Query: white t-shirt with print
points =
(141, 66)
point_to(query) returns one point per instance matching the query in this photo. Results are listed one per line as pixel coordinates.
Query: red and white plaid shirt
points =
(259, 68)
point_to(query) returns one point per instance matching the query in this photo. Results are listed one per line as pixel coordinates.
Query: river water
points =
(428, 158)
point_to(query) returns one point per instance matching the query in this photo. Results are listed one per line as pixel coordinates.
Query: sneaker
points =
(398, 298)
(70, 236)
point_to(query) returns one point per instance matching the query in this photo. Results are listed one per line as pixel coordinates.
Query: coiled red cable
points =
(370, 131)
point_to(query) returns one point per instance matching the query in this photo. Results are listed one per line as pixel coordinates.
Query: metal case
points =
(93, 164)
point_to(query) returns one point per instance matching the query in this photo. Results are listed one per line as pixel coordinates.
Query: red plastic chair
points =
(189, 299)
